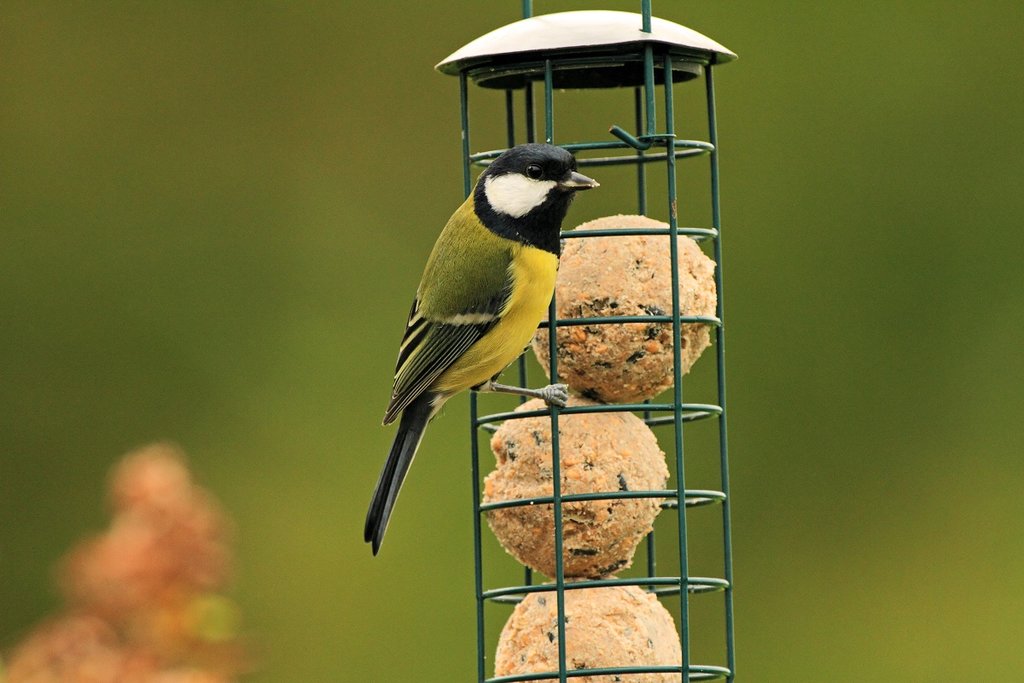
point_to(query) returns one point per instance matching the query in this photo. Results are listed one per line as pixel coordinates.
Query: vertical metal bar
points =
(649, 87)
(677, 354)
(510, 118)
(510, 140)
(556, 457)
(652, 556)
(716, 222)
(641, 167)
(478, 575)
(645, 10)
(522, 375)
(464, 113)
(531, 125)
(527, 9)
(531, 136)
(646, 126)
(641, 204)
(556, 492)
(474, 438)
(652, 561)
(549, 114)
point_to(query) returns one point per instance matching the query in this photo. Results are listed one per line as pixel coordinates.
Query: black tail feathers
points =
(403, 449)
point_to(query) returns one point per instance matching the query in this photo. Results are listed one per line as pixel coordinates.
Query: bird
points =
(485, 288)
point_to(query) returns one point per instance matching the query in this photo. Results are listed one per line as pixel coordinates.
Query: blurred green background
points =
(213, 217)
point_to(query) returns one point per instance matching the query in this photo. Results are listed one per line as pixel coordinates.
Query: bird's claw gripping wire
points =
(555, 395)
(552, 394)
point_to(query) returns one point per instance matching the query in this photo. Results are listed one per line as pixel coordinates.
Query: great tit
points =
(485, 288)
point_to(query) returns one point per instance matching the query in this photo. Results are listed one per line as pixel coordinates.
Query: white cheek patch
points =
(516, 195)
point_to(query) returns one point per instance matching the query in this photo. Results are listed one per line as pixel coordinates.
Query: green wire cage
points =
(643, 55)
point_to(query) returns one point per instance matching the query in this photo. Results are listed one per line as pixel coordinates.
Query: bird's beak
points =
(577, 181)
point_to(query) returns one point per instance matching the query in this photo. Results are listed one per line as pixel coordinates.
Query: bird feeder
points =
(647, 58)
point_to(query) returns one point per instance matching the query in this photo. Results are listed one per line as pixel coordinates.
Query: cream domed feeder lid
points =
(590, 49)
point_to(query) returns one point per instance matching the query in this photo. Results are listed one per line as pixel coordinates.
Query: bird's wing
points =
(464, 289)
(430, 347)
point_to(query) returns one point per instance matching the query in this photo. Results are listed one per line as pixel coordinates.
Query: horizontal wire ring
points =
(698, 410)
(686, 145)
(699, 497)
(698, 672)
(630, 319)
(621, 232)
(694, 584)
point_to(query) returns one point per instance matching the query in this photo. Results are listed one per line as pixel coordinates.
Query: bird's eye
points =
(534, 172)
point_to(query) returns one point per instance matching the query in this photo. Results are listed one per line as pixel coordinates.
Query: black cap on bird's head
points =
(524, 194)
(541, 162)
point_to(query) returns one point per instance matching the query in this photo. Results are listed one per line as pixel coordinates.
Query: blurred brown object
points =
(143, 602)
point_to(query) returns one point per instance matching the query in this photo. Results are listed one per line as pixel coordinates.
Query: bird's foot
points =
(555, 394)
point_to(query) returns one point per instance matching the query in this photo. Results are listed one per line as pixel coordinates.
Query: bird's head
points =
(525, 193)
(527, 177)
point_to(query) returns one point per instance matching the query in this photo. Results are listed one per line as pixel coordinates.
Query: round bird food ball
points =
(600, 452)
(621, 276)
(604, 627)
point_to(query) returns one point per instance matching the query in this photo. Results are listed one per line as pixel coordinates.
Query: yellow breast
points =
(533, 274)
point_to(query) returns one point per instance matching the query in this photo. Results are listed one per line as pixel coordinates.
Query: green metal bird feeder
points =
(583, 50)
